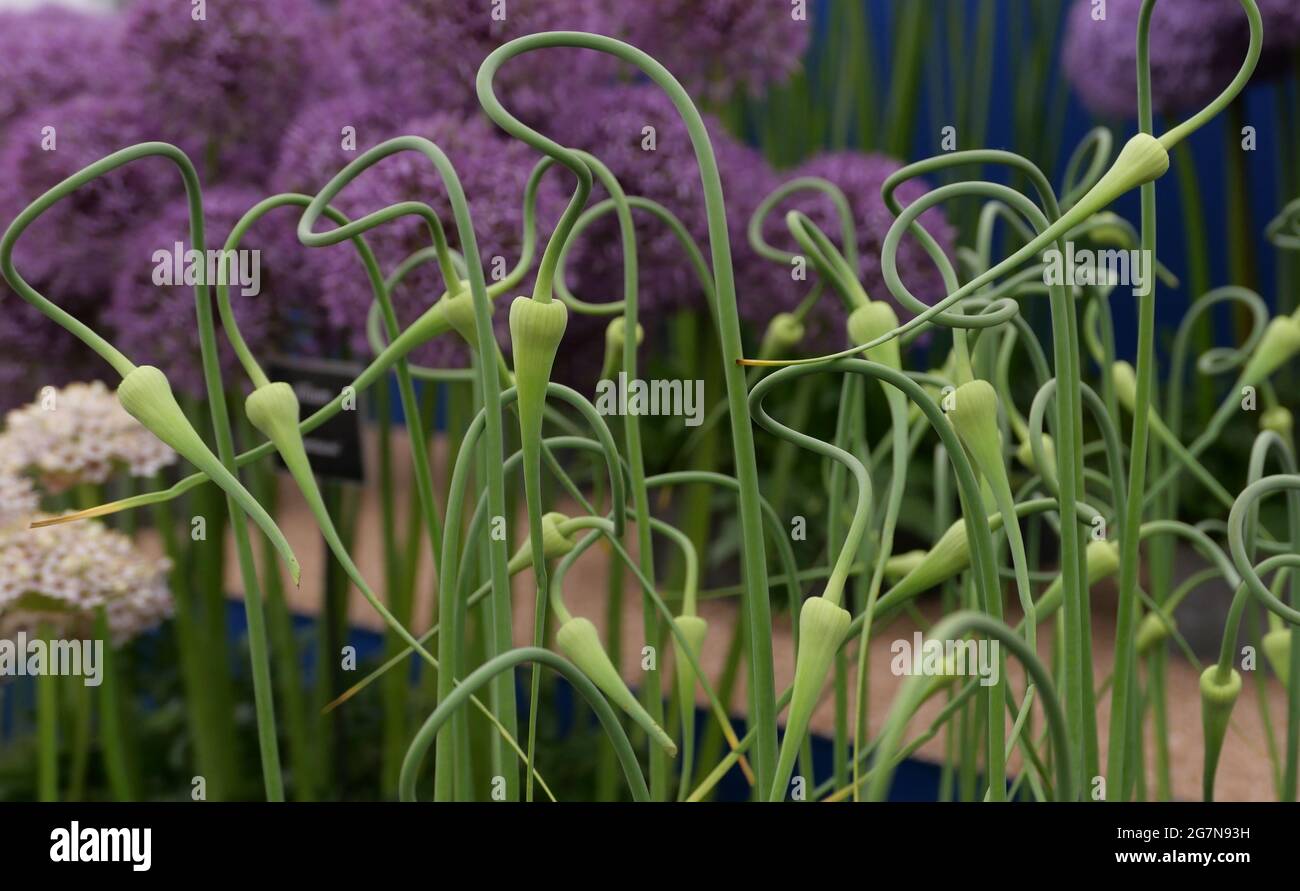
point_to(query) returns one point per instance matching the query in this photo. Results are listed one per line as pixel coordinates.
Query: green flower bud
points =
(974, 415)
(822, 626)
(694, 629)
(536, 330)
(579, 640)
(1281, 341)
(1101, 560)
(273, 410)
(1110, 228)
(555, 544)
(899, 565)
(871, 320)
(1217, 699)
(459, 313)
(1278, 419)
(783, 334)
(615, 335)
(147, 396)
(949, 556)
(1124, 379)
(1277, 649)
(1142, 160)
(1153, 632)
(1025, 455)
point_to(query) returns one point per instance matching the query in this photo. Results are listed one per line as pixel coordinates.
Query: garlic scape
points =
(615, 336)
(536, 329)
(1280, 343)
(783, 334)
(147, 396)
(1277, 649)
(579, 640)
(273, 409)
(1219, 692)
(822, 628)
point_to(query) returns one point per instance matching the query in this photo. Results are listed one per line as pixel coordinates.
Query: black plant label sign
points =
(334, 447)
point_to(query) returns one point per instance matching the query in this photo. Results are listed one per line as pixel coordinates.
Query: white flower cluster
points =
(18, 499)
(79, 434)
(62, 575)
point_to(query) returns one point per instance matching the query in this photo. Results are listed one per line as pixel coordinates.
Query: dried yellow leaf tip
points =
(147, 396)
(579, 640)
(822, 626)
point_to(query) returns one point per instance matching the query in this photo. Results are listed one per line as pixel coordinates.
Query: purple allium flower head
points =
(718, 47)
(155, 324)
(328, 134)
(426, 55)
(1197, 47)
(610, 123)
(222, 86)
(493, 172)
(36, 353)
(74, 241)
(860, 177)
(50, 54)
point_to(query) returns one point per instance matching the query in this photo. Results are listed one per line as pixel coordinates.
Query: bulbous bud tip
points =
(1281, 341)
(1216, 695)
(1025, 455)
(1124, 379)
(1152, 632)
(1277, 649)
(579, 640)
(273, 409)
(1277, 419)
(555, 543)
(1142, 160)
(783, 334)
(872, 320)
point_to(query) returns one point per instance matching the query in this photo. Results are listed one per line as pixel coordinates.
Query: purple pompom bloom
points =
(72, 244)
(717, 48)
(860, 177)
(50, 54)
(223, 86)
(36, 353)
(327, 135)
(1197, 47)
(155, 324)
(610, 124)
(425, 56)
